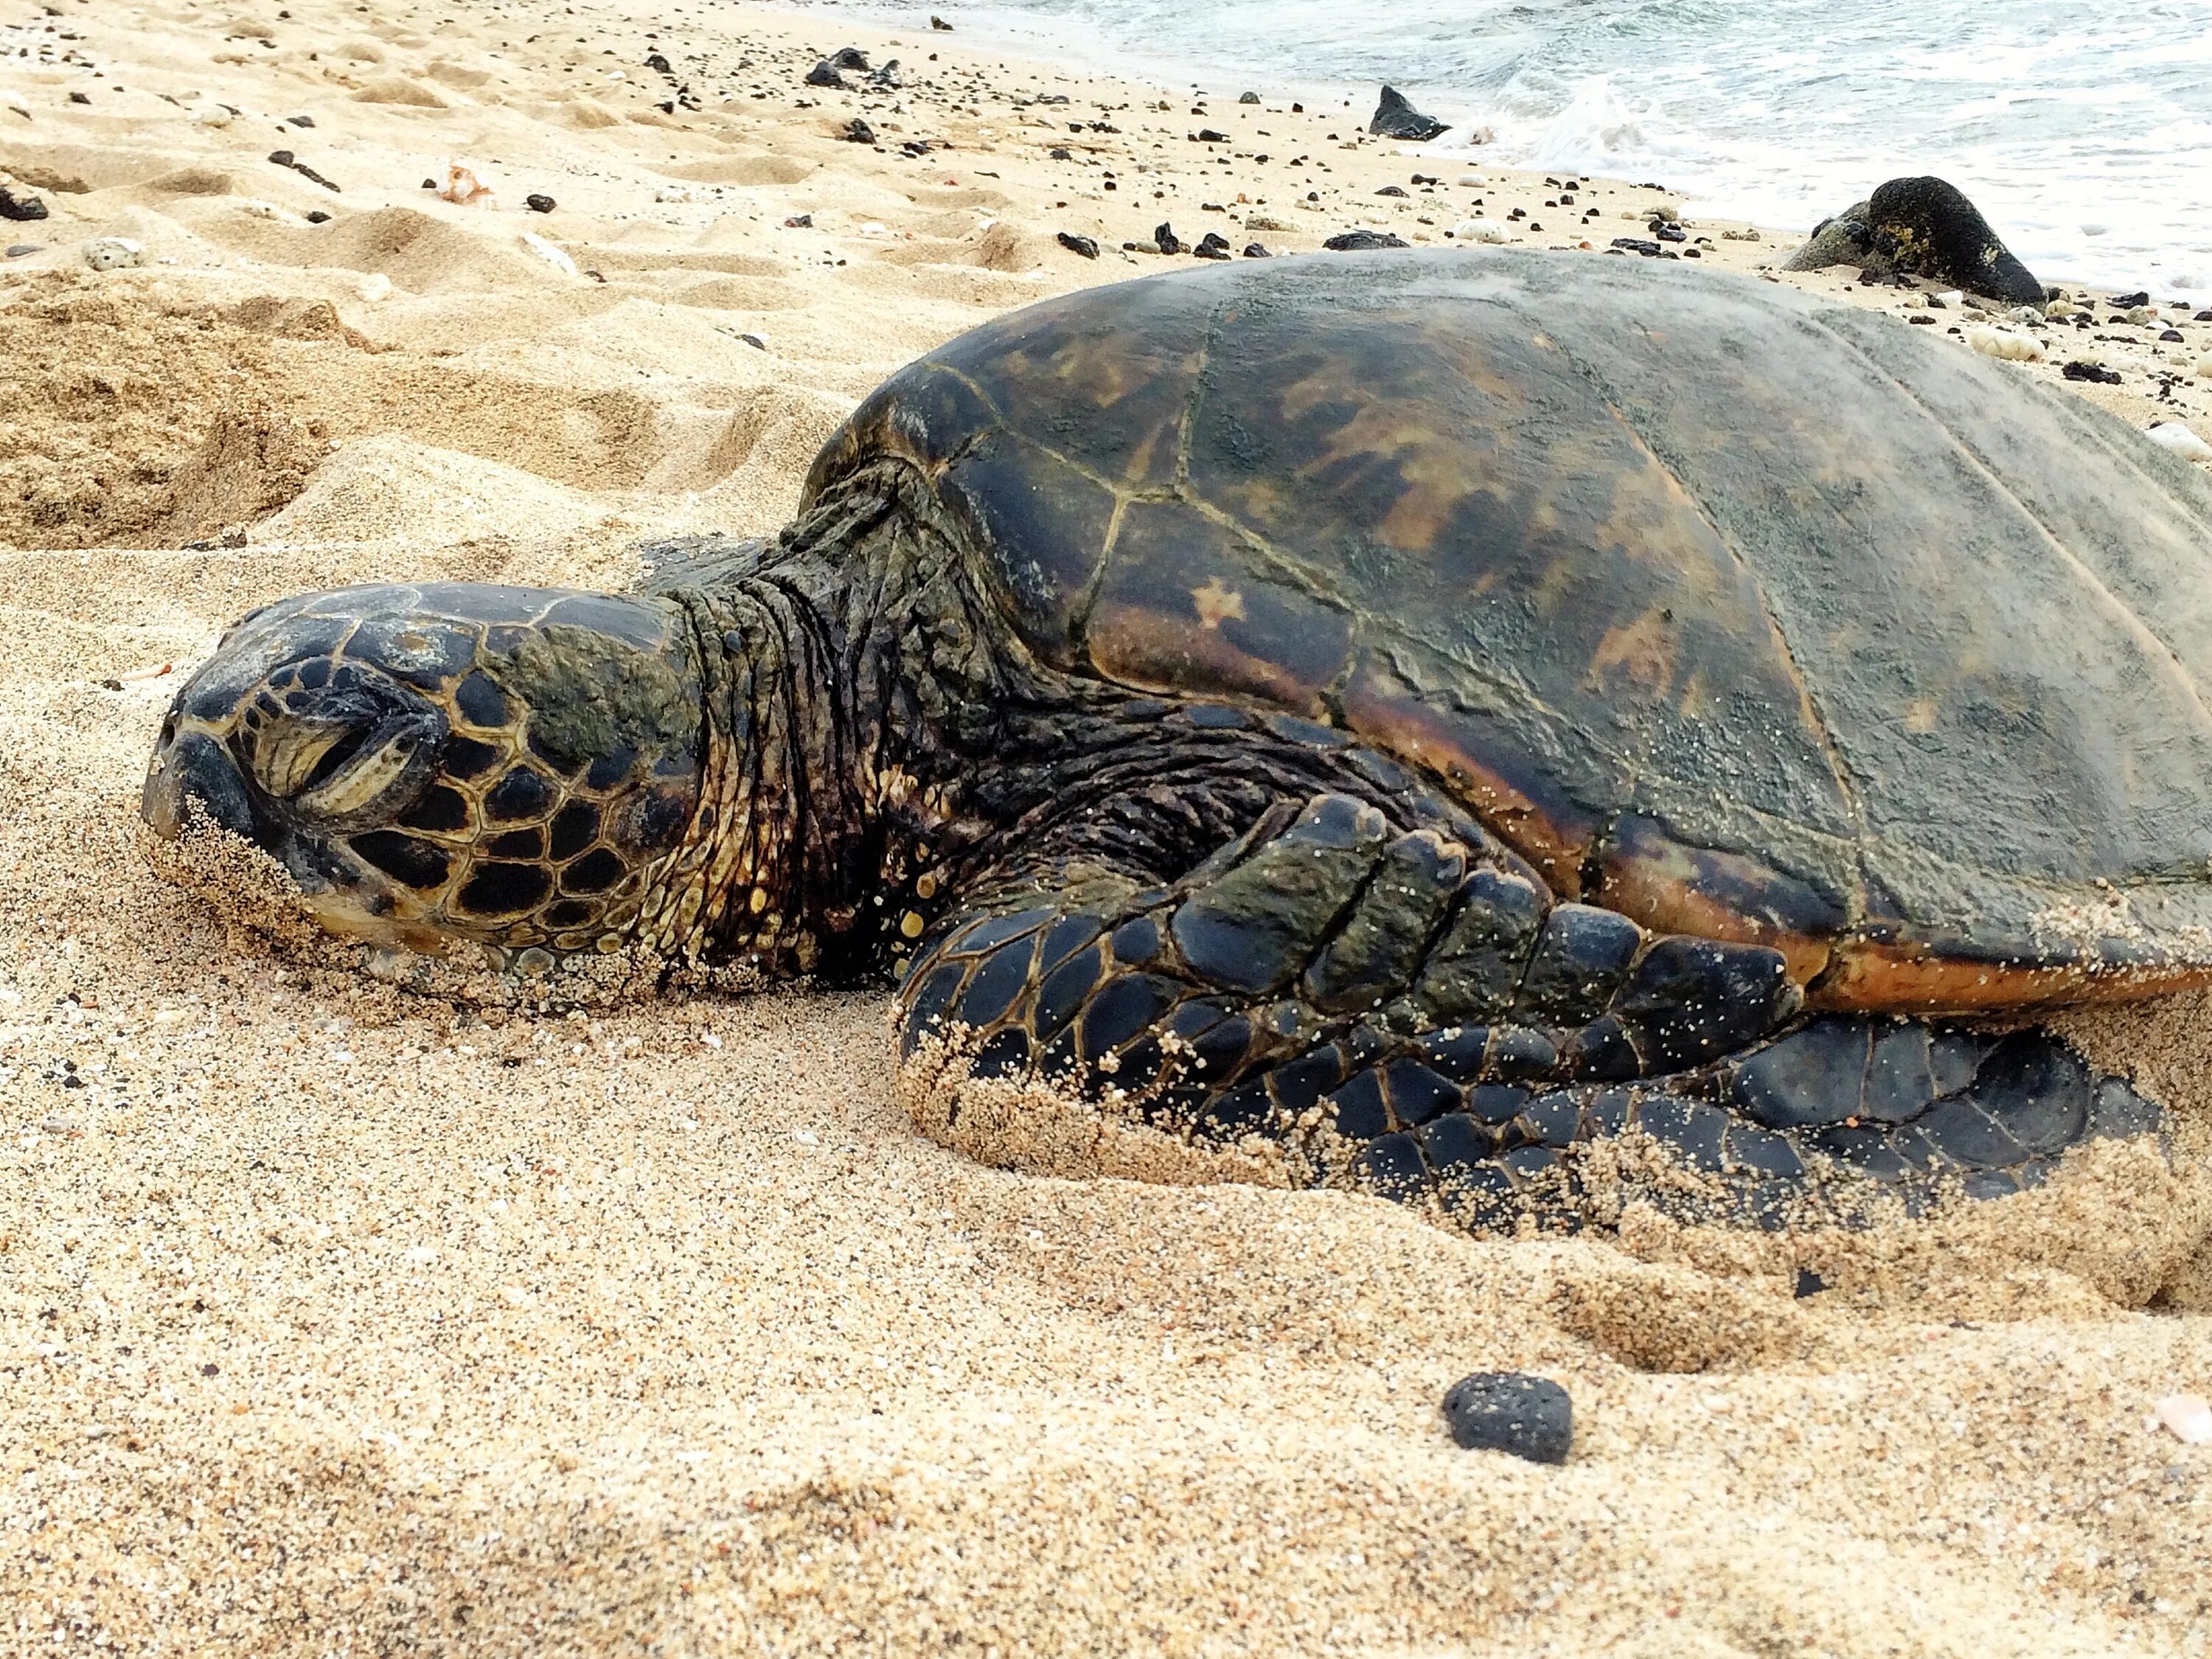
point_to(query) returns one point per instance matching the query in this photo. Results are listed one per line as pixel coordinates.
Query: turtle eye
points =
(344, 754)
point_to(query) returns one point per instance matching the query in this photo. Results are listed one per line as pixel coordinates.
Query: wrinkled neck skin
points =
(883, 744)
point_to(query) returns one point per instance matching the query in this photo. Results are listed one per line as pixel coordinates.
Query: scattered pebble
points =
(1358, 241)
(215, 115)
(18, 250)
(2082, 369)
(556, 257)
(2179, 438)
(1530, 1417)
(114, 254)
(2188, 1417)
(2003, 342)
(1082, 245)
(540, 204)
(1479, 230)
(1394, 118)
(21, 208)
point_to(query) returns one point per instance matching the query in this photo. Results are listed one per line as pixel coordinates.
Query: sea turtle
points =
(1431, 713)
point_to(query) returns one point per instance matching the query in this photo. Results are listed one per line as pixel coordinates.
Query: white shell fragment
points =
(1478, 230)
(2004, 343)
(376, 287)
(555, 257)
(2188, 1417)
(114, 254)
(2183, 442)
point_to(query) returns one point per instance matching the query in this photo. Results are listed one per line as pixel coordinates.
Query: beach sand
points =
(335, 1320)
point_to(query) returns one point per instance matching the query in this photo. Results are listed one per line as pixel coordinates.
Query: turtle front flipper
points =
(1401, 1017)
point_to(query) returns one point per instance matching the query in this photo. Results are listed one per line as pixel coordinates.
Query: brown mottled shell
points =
(1741, 612)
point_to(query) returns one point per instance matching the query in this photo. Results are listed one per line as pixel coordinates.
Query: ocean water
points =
(2083, 134)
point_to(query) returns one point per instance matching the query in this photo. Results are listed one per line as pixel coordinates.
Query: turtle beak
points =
(190, 770)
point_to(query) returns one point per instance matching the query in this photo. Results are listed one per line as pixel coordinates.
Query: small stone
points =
(375, 288)
(858, 131)
(215, 115)
(1637, 244)
(1248, 97)
(2097, 373)
(822, 75)
(300, 121)
(1082, 244)
(80, 98)
(556, 257)
(1478, 230)
(1164, 239)
(1396, 119)
(430, 183)
(1061, 153)
(540, 204)
(282, 158)
(1808, 1284)
(2172, 336)
(1359, 241)
(2003, 342)
(1262, 221)
(1257, 251)
(849, 57)
(2187, 1418)
(939, 24)
(1391, 189)
(1530, 1417)
(1212, 246)
(659, 63)
(800, 221)
(21, 208)
(58, 1126)
(18, 250)
(2179, 438)
(754, 341)
(114, 254)
(2128, 301)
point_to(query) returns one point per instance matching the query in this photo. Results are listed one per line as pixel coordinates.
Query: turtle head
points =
(448, 761)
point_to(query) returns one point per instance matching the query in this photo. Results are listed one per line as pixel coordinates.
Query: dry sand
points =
(334, 1319)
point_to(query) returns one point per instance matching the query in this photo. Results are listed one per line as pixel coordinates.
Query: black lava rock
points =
(849, 57)
(823, 75)
(1164, 239)
(2129, 302)
(1061, 153)
(1358, 241)
(1257, 251)
(658, 63)
(317, 216)
(1082, 244)
(430, 183)
(1922, 226)
(1208, 136)
(80, 98)
(1530, 1417)
(1212, 246)
(1391, 189)
(1248, 97)
(1396, 119)
(1666, 233)
(938, 23)
(21, 208)
(1808, 1283)
(282, 158)
(2096, 372)
(887, 75)
(1637, 244)
(540, 204)
(858, 131)
(312, 176)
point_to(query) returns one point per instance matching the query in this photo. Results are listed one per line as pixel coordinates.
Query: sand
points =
(337, 1319)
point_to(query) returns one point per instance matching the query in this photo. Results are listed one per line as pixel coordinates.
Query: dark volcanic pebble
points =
(1530, 1417)
(849, 57)
(540, 204)
(1396, 119)
(20, 208)
(1358, 241)
(823, 75)
(1208, 136)
(1061, 153)
(1082, 244)
(317, 216)
(1164, 239)
(1637, 244)
(658, 63)
(1248, 97)
(1808, 1284)
(282, 158)
(1257, 251)
(860, 132)
(2126, 301)
(2094, 372)
(1212, 246)
(300, 121)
